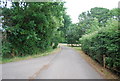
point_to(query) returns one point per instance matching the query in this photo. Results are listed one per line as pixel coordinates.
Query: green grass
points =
(77, 48)
(7, 60)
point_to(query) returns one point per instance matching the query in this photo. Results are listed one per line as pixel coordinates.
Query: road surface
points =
(66, 64)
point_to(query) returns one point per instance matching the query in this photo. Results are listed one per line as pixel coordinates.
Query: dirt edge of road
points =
(105, 73)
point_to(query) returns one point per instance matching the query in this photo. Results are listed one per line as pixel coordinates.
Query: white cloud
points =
(75, 7)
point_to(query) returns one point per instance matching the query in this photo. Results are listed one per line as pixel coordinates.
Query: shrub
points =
(105, 41)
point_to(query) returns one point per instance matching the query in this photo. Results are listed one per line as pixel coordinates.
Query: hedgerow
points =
(104, 41)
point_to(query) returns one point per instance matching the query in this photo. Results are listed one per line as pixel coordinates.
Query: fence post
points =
(104, 62)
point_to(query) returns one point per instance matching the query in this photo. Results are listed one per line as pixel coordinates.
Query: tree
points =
(73, 34)
(30, 27)
(102, 14)
(67, 23)
(115, 13)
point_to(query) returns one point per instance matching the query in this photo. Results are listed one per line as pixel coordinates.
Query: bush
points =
(105, 41)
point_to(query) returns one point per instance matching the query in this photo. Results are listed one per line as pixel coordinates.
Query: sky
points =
(75, 7)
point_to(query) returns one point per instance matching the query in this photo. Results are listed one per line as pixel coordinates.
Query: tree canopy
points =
(31, 27)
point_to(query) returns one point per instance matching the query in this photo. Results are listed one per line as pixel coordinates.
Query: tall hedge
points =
(105, 41)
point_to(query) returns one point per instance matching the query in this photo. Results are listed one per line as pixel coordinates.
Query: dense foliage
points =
(100, 35)
(30, 27)
(64, 29)
(72, 34)
(105, 41)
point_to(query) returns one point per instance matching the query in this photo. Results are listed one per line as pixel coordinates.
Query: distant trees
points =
(102, 14)
(96, 18)
(67, 23)
(72, 34)
(31, 27)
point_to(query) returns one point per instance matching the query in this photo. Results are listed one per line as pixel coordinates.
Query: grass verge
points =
(51, 51)
(107, 74)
